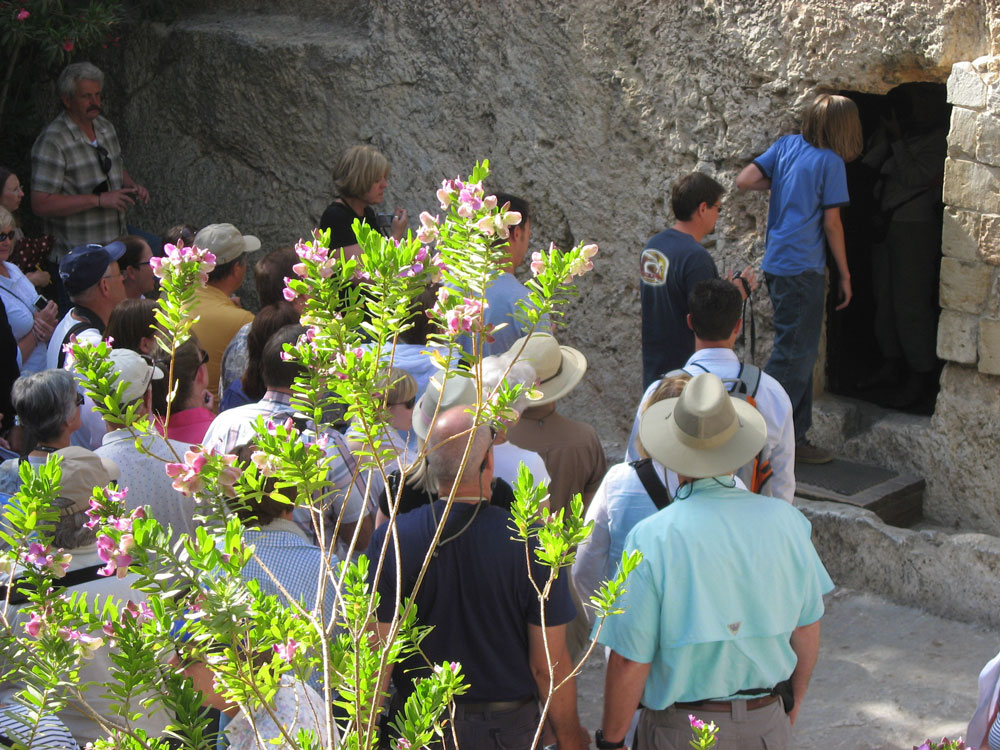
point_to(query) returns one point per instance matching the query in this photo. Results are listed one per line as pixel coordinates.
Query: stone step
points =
(947, 573)
(895, 497)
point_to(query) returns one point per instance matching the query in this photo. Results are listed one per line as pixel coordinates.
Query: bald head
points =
(446, 446)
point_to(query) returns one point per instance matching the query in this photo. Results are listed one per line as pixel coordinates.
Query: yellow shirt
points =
(219, 321)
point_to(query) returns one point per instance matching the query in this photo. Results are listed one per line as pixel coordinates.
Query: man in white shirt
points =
(235, 427)
(144, 472)
(715, 319)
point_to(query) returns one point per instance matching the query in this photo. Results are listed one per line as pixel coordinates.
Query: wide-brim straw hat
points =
(703, 433)
(459, 390)
(559, 368)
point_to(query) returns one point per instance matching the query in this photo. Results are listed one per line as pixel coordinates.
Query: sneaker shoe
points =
(807, 453)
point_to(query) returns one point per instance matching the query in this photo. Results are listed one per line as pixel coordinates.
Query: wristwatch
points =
(603, 744)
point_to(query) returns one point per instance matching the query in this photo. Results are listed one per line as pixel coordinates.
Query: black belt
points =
(491, 706)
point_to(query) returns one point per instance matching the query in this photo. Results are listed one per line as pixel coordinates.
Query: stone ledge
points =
(952, 575)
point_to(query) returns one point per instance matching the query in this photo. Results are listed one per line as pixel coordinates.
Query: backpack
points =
(744, 386)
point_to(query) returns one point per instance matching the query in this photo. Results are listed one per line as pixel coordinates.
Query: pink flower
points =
(696, 723)
(186, 476)
(537, 264)
(287, 651)
(267, 465)
(139, 612)
(429, 231)
(115, 555)
(34, 626)
(23, 15)
(229, 475)
(68, 45)
(288, 293)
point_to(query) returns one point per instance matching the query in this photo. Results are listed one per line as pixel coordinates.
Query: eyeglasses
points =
(104, 158)
(203, 359)
(79, 399)
(4, 236)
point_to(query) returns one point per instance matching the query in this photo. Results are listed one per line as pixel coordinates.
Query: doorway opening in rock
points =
(882, 347)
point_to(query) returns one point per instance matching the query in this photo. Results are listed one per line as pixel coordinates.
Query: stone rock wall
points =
(237, 111)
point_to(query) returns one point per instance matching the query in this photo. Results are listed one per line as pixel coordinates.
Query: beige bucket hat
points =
(458, 391)
(559, 368)
(703, 433)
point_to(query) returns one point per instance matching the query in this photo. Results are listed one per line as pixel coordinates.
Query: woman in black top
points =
(361, 177)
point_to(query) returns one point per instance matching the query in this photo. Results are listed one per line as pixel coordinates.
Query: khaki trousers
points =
(765, 728)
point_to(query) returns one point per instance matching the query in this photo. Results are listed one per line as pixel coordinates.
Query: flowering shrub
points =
(193, 609)
(944, 744)
(704, 734)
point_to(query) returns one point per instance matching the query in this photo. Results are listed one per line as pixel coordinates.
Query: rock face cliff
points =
(237, 111)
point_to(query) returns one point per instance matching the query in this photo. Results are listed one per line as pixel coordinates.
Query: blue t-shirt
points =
(477, 596)
(805, 181)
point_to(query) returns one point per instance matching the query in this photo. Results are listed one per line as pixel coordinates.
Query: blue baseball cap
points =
(85, 265)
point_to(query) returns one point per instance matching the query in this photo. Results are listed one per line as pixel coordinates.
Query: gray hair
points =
(69, 531)
(444, 457)
(44, 401)
(76, 72)
(521, 373)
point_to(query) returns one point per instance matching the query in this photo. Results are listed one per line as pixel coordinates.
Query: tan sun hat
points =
(559, 368)
(458, 391)
(82, 470)
(703, 433)
(226, 242)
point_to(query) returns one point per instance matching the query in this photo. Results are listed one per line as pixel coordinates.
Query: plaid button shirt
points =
(64, 162)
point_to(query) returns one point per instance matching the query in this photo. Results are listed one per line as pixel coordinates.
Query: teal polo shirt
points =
(726, 577)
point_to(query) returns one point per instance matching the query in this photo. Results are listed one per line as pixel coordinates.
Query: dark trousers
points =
(495, 730)
(798, 321)
(905, 273)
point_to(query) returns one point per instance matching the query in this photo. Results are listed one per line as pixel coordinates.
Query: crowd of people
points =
(721, 617)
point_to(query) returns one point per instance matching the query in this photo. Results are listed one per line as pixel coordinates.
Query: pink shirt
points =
(190, 425)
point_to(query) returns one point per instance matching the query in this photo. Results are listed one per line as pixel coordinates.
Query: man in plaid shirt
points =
(79, 185)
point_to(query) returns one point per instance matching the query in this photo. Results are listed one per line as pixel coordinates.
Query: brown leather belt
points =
(726, 706)
(492, 706)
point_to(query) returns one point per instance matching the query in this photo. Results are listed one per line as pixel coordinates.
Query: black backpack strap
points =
(72, 578)
(651, 482)
(90, 320)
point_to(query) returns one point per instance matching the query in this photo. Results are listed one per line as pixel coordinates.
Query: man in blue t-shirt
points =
(672, 262)
(480, 601)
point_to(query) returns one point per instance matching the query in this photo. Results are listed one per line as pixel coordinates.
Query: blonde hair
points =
(6, 219)
(832, 122)
(399, 385)
(358, 169)
(669, 387)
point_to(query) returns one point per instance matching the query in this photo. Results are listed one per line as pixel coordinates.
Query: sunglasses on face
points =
(4, 236)
(79, 399)
(203, 358)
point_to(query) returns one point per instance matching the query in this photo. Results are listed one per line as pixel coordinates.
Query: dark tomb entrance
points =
(882, 347)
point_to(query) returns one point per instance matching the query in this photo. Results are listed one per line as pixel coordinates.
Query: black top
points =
(339, 218)
(502, 497)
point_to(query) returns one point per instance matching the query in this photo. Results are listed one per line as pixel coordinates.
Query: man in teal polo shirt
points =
(722, 616)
